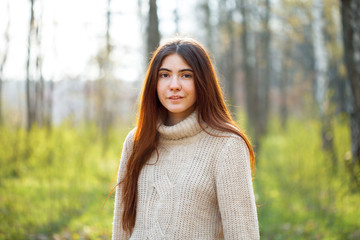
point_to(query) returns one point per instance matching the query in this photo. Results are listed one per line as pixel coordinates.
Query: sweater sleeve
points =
(235, 191)
(117, 232)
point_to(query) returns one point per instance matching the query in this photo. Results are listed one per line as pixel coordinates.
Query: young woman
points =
(185, 170)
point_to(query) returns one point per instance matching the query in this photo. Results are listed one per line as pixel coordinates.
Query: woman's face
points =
(176, 88)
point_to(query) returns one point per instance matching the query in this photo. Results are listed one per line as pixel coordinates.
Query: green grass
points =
(298, 195)
(53, 184)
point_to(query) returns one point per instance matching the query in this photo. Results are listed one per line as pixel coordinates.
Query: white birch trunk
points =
(320, 54)
(322, 81)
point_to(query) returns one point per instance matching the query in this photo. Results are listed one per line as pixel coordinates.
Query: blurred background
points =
(70, 75)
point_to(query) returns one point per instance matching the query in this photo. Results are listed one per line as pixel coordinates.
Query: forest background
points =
(70, 74)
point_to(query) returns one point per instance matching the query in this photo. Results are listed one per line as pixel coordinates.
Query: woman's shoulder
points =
(226, 139)
(130, 135)
(230, 148)
(225, 134)
(129, 140)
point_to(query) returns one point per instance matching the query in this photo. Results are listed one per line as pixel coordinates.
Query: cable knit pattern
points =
(199, 185)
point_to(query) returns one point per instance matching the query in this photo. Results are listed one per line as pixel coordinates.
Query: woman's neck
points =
(175, 118)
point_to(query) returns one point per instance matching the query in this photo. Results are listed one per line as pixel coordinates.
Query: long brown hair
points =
(209, 103)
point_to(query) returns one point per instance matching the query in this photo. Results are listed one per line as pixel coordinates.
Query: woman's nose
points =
(175, 84)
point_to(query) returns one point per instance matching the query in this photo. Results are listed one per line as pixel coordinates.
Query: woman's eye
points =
(187, 75)
(164, 75)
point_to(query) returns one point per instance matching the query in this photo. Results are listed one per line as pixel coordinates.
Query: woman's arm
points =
(235, 191)
(118, 233)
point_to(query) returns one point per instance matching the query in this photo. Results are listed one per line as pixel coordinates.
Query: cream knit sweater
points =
(199, 185)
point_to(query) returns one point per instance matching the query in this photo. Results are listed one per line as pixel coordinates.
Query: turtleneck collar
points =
(186, 128)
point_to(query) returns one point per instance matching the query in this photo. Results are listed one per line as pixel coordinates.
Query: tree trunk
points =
(153, 34)
(207, 24)
(3, 61)
(104, 96)
(108, 24)
(285, 69)
(322, 80)
(40, 84)
(350, 22)
(29, 106)
(251, 82)
(48, 118)
(265, 87)
(230, 66)
(176, 17)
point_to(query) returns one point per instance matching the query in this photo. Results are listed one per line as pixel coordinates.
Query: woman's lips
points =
(175, 98)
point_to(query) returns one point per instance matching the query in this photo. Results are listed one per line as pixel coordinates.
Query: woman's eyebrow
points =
(186, 70)
(182, 70)
(164, 69)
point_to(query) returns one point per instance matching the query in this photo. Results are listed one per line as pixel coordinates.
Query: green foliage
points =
(298, 194)
(53, 184)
